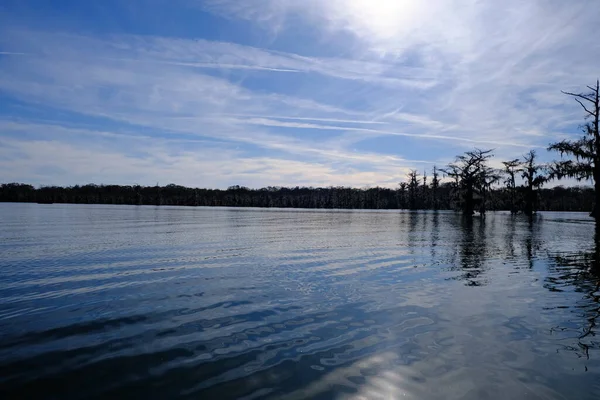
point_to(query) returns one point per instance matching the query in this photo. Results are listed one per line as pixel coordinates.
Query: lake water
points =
(221, 303)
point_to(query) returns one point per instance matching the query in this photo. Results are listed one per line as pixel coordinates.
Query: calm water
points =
(146, 302)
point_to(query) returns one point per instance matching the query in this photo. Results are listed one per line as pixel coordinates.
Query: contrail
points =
(208, 65)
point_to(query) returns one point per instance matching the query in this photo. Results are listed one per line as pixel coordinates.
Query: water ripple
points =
(147, 302)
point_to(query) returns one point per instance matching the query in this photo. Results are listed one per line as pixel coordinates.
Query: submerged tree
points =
(534, 178)
(586, 150)
(453, 172)
(473, 176)
(435, 184)
(488, 176)
(425, 192)
(402, 195)
(510, 170)
(413, 189)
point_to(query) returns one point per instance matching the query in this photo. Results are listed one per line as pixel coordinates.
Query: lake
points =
(222, 303)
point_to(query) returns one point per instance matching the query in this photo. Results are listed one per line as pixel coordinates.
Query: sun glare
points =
(383, 19)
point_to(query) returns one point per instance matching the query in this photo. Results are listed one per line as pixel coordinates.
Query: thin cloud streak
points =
(434, 74)
(286, 117)
(270, 122)
(211, 65)
(322, 155)
(66, 164)
(215, 55)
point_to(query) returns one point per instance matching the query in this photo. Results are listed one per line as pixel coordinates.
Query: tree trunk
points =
(469, 207)
(529, 201)
(596, 210)
(596, 127)
(596, 174)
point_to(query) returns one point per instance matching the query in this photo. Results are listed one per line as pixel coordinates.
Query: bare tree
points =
(585, 150)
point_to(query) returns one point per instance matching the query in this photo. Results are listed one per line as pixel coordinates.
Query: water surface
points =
(165, 302)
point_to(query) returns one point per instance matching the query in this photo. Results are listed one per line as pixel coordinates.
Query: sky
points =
(262, 93)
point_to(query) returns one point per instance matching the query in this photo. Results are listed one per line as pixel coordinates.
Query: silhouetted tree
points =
(425, 193)
(534, 178)
(158, 200)
(557, 199)
(402, 195)
(510, 169)
(586, 150)
(413, 188)
(472, 175)
(435, 184)
(488, 177)
(455, 197)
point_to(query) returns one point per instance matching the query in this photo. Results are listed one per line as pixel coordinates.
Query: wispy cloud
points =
(215, 55)
(405, 84)
(56, 161)
(490, 54)
(346, 121)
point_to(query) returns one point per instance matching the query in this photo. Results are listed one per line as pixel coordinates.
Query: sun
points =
(382, 19)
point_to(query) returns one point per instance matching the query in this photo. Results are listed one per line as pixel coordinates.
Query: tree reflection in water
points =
(472, 249)
(579, 272)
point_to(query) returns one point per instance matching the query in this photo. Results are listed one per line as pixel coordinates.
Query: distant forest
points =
(474, 185)
(418, 196)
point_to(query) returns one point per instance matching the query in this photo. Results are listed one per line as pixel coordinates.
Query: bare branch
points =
(585, 108)
(581, 96)
(593, 89)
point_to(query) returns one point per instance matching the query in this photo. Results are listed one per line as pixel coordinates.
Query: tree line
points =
(416, 197)
(473, 178)
(468, 184)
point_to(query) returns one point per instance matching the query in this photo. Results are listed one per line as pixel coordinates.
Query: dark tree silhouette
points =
(534, 177)
(472, 176)
(489, 176)
(413, 189)
(453, 172)
(402, 195)
(435, 184)
(425, 192)
(585, 150)
(556, 199)
(510, 170)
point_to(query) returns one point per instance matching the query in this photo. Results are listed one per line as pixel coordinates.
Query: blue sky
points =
(282, 92)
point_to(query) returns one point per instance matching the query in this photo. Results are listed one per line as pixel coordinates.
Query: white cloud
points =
(450, 74)
(284, 117)
(56, 161)
(488, 55)
(205, 54)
